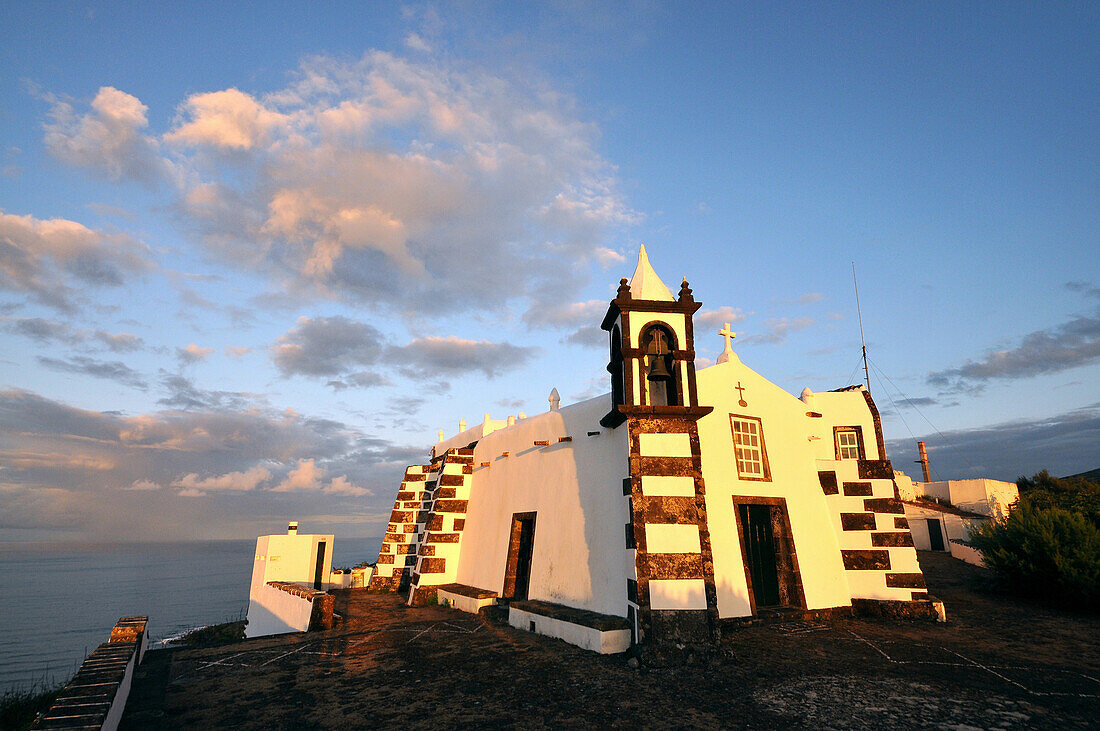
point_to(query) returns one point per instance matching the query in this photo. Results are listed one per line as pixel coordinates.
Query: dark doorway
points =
(760, 553)
(767, 547)
(521, 548)
(935, 535)
(317, 575)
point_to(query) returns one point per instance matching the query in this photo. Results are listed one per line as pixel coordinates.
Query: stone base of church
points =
(680, 627)
(423, 596)
(919, 609)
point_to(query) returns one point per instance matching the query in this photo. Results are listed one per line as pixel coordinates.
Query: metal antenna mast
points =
(866, 372)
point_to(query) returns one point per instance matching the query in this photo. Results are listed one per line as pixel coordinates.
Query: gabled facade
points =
(679, 501)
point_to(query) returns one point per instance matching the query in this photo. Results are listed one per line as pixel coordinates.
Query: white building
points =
(680, 500)
(288, 571)
(942, 514)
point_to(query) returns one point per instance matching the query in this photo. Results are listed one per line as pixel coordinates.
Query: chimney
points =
(292, 529)
(923, 460)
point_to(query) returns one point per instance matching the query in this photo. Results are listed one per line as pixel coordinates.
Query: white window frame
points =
(848, 451)
(751, 459)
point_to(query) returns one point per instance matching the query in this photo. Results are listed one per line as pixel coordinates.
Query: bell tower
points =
(653, 390)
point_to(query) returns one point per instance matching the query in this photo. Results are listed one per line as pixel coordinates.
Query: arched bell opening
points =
(661, 387)
(616, 369)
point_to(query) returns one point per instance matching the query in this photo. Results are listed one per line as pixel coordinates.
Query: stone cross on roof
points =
(728, 333)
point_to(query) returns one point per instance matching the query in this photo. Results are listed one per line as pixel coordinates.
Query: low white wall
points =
(952, 527)
(964, 552)
(360, 577)
(339, 580)
(272, 611)
(464, 603)
(606, 643)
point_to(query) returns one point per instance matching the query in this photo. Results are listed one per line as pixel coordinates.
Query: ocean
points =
(60, 600)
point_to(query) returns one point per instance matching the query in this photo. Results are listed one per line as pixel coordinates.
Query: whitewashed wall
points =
(580, 558)
(288, 557)
(793, 477)
(273, 611)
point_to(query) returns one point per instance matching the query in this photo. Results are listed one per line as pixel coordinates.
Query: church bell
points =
(658, 369)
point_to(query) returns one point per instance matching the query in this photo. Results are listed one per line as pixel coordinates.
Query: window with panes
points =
(748, 442)
(847, 444)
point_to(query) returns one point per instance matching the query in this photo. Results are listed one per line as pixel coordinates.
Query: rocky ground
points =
(997, 663)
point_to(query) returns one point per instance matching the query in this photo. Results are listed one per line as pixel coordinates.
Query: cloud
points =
(193, 354)
(326, 346)
(432, 357)
(588, 336)
(810, 297)
(583, 317)
(716, 319)
(119, 342)
(411, 185)
(416, 43)
(1065, 444)
(1086, 288)
(237, 351)
(919, 401)
(43, 257)
(360, 379)
(339, 348)
(1069, 345)
(306, 476)
(777, 330)
(341, 486)
(227, 119)
(574, 314)
(45, 330)
(106, 140)
(110, 370)
(68, 469)
(246, 480)
(184, 394)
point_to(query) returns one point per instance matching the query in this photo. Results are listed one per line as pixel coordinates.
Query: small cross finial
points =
(728, 333)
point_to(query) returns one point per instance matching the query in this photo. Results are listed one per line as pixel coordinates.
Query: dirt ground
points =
(997, 663)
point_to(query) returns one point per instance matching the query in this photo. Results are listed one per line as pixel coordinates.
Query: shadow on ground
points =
(997, 663)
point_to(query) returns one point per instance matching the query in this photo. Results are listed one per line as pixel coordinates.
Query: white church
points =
(679, 501)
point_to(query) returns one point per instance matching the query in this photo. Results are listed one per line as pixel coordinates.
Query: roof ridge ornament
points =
(727, 354)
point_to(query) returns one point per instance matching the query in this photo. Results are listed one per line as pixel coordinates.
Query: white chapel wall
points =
(579, 557)
(791, 456)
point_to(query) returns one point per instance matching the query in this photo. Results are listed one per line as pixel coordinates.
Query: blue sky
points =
(251, 262)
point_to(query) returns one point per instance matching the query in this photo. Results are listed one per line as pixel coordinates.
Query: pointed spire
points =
(555, 400)
(645, 284)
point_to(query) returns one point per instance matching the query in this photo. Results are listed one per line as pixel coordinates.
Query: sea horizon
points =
(70, 594)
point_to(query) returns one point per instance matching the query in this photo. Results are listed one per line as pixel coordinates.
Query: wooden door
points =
(317, 572)
(935, 535)
(756, 521)
(521, 548)
(523, 562)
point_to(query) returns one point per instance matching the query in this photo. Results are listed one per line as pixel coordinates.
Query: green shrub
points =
(1044, 552)
(1075, 494)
